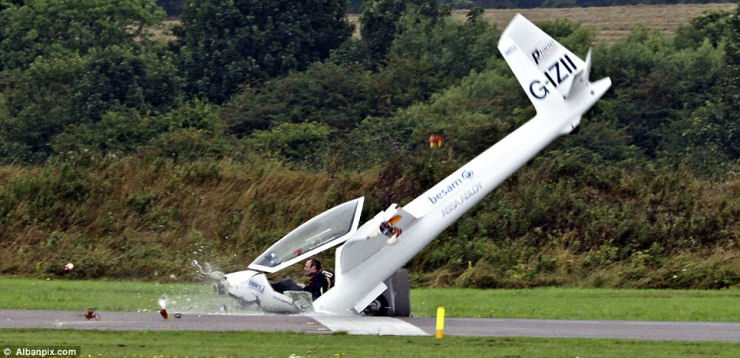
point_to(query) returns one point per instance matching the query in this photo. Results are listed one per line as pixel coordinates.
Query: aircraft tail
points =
(554, 78)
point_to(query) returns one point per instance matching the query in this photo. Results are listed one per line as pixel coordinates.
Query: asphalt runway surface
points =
(140, 321)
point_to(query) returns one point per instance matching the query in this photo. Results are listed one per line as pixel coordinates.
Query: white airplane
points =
(368, 267)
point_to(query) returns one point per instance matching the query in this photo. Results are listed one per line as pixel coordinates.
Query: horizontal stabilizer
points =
(371, 237)
(407, 219)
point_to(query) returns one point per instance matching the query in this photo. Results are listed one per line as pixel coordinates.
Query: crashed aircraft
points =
(368, 269)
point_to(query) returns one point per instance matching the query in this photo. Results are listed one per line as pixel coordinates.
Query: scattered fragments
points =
(91, 314)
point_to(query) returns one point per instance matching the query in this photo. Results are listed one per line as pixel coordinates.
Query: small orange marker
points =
(440, 322)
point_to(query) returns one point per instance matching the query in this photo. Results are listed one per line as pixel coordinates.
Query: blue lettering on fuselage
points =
(466, 174)
(256, 286)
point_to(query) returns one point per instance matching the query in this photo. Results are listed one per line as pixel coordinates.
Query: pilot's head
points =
(312, 265)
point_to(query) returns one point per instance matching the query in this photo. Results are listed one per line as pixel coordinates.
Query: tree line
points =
(285, 82)
(174, 8)
(271, 68)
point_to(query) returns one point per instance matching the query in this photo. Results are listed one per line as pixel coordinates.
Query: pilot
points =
(317, 281)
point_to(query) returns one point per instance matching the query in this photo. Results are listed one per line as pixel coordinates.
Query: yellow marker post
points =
(440, 321)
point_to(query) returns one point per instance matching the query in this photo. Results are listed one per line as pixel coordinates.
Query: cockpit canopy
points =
(322, 232)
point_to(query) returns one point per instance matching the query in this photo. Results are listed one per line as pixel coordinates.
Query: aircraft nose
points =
(221, 286)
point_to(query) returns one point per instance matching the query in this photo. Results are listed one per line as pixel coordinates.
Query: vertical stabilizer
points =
(541, 64)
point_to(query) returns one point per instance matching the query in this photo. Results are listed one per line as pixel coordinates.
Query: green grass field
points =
(285, 345)
(577, 303)
(548, 303)
(559, 303)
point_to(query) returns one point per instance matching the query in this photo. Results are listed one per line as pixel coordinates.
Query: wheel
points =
(379, 307)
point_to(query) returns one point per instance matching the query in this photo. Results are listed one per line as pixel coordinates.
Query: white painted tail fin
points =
(541, 64)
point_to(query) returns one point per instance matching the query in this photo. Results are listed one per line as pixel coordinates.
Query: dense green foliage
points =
(225, 43)
(62, 67)
(62, 28)
(119, 149)
(174, 8)
(380, 22)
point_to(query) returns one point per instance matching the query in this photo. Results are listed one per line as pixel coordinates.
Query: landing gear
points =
(379, 307)
(394, 301)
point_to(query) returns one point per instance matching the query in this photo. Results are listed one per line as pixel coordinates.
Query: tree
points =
(55, 93)
(66, 63)
(338, 96)
(379, 21)
(117, 77)
(712, 25)
(172, 7)
(225, 43)
(452, 48)
(35, 105)
(707, 137)
(46, 27)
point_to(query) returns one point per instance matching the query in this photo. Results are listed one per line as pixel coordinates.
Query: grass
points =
(586, 304)
(544, 303)
(259, 344)
(78, 295)
(561, 303)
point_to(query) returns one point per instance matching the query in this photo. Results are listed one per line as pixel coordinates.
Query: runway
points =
(411, 326)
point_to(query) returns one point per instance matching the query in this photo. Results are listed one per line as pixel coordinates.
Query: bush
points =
(326, 93)
(295, 142)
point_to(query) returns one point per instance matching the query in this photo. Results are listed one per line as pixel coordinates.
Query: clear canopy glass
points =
(322, 232)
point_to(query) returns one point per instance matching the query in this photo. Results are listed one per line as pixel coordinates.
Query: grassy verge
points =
(259, 344)
(550, 303)
(578, 303)
(36, 294)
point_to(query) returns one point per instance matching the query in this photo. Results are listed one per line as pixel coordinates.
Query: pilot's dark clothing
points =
(317, 284)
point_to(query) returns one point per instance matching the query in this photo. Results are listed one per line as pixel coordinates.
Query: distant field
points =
(613, 22)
